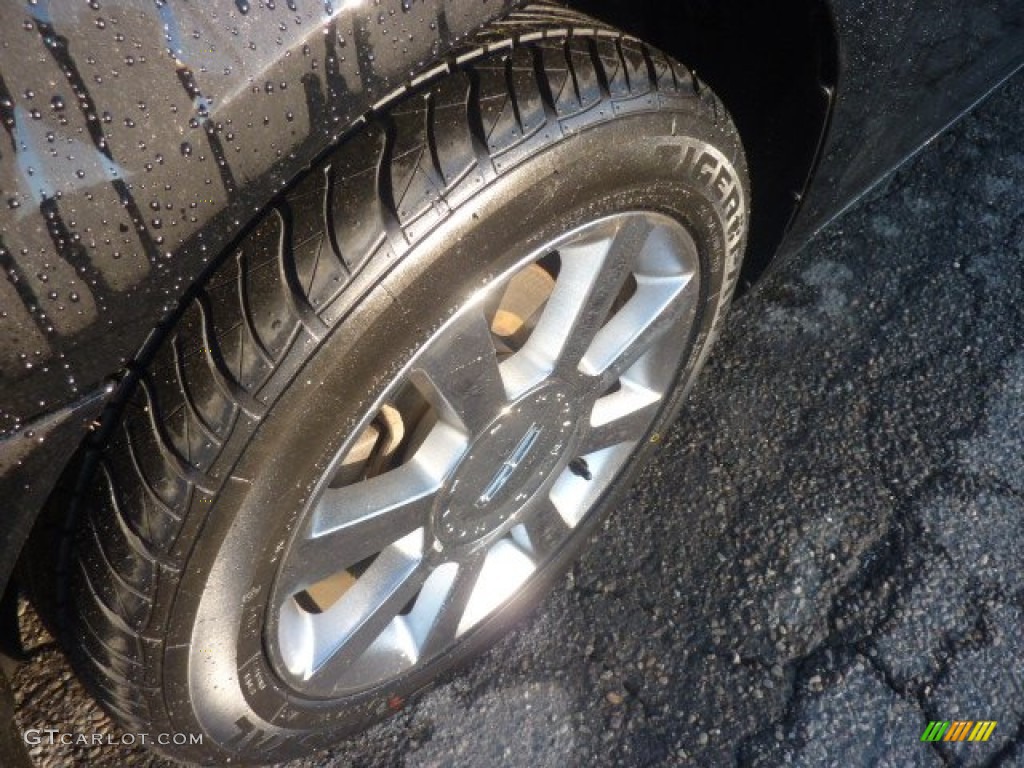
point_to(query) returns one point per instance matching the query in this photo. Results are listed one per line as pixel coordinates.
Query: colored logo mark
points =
(958, 730)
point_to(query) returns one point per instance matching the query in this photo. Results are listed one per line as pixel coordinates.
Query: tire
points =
(551, 136)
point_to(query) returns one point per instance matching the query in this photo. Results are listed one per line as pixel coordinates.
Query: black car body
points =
(141, 137)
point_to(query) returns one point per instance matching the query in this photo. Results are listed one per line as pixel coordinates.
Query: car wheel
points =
(384, 425)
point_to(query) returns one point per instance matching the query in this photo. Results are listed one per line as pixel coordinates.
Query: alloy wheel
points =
(483, 456)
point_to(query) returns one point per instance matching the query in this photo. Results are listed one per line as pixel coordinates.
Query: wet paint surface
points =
(141, 136)
(905, 71)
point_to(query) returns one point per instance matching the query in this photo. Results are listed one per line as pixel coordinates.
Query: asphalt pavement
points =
(827, 552)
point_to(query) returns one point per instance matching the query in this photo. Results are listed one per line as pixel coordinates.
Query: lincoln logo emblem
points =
(514, 459)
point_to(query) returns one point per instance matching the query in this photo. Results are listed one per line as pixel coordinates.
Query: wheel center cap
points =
(506, 464)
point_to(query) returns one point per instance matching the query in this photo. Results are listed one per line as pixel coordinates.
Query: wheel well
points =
(774, 66)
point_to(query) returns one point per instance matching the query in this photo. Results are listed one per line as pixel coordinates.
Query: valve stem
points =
(578, 467)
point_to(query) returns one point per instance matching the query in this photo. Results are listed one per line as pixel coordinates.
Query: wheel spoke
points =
(359, 520)
(591, 277)
(444, 628)
(505, 569)
(543, 531)
(659, 303)
(345, 632)
(462, 367)
(622, 417)
(574, 495)
(619, 262)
